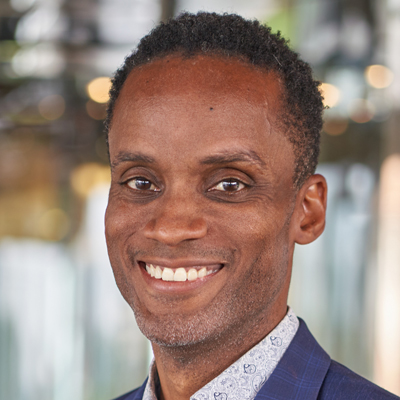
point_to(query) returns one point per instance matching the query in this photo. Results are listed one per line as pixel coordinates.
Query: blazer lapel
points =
(301, 371)
(139, 394)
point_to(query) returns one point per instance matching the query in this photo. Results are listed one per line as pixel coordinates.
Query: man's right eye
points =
(140, 183)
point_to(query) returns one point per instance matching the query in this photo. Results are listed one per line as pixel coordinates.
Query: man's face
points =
(201, 180)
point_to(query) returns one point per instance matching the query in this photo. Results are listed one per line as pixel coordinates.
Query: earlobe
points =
(311, 208)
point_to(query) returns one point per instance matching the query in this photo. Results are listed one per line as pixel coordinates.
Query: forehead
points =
(213, 77)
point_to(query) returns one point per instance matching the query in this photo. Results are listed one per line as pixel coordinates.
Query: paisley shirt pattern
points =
(244, 378)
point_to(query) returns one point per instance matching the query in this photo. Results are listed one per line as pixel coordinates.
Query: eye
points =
(140, 183)
(229, 185)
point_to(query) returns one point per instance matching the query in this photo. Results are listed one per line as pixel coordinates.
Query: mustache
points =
(184, 251)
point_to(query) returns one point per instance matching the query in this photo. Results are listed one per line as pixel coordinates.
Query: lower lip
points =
(173, 286)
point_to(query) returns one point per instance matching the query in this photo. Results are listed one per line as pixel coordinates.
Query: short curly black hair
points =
(230, 35)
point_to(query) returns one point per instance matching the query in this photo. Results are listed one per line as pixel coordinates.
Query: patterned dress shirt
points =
(244, 378)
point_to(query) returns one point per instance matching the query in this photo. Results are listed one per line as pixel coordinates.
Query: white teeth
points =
(180, 275)
(158, 273)
(192, 274)
(167, 274)
(202, 273)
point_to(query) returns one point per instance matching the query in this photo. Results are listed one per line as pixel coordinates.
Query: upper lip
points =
(181, 263)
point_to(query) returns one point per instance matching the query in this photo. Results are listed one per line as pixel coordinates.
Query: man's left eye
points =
(229, 185)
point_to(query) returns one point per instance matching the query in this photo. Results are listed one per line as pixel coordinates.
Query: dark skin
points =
(202, 176)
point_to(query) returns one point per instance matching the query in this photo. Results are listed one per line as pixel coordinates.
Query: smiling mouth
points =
(179, 274)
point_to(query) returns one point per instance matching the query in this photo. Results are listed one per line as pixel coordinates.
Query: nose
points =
(177, 220)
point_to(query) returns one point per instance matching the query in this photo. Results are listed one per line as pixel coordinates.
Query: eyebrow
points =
(231, 157)
(224, 157)
(124, 156)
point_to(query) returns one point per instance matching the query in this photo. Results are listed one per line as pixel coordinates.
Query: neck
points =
(183, 370)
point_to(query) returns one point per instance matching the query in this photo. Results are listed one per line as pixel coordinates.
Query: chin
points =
(172, 331)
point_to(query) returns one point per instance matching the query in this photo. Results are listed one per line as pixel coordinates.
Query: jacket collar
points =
(301, 371)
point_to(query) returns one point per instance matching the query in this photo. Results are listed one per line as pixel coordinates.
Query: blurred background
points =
(65, 331)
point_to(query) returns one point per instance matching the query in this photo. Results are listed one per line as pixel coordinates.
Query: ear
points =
(310, 210)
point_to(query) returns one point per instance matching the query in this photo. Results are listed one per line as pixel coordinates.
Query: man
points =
(213, 132)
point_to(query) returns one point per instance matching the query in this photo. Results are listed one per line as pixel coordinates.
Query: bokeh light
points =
(330, 93)
(43, 60)
(52, 107)
(86, 177)
(378, 76)
(95, 110)
(98, 88)
(335, 127)
(388, 275)
(21, 5)
(361, 111)
(53, 225)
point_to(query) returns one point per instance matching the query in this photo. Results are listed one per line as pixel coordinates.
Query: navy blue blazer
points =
(306, 372)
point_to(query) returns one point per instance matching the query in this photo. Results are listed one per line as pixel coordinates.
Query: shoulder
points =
(307, 372)
(342, 383)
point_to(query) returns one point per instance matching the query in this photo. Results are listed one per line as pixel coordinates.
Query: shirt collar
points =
(244, 378)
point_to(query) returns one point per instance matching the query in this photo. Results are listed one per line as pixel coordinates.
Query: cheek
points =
(252, 228)
(122, 220)
(261, 241)
(267, 257)
(122, 224)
